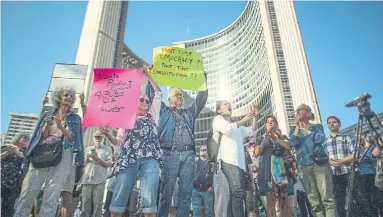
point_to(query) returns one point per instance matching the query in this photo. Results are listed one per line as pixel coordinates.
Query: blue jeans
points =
(127, 178)
(235, 176)
(202, 198)
(181, 165)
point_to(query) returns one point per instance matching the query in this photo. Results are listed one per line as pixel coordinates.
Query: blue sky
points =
(343, 41)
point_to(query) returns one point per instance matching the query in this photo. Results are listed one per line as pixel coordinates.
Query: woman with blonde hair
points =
(313, 165)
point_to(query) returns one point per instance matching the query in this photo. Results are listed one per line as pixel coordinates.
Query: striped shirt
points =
(339, 147)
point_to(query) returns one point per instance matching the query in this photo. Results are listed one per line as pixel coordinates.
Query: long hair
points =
(276, 121)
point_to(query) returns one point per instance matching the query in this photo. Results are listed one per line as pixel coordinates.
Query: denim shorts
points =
(126, 179)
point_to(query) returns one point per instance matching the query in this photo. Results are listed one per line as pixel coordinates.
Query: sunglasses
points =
(68, 95)
(203, 150)
(146, 100)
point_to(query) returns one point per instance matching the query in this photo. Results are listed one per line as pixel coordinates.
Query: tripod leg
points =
(351, 185)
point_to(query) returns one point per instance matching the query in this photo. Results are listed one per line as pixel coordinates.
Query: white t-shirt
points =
(232, 150)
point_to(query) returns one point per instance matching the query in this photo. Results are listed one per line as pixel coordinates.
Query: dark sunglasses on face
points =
(146, 100)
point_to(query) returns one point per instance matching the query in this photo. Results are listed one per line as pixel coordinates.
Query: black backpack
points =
(213, 146)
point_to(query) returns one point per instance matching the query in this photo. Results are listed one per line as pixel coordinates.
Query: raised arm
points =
(227, 128)
(118, 140)
(223, 126)
(254, 125)
(156, 100)
(154, 85)
(45, 100)
(82, 103)
(200, 102)
(294, 136)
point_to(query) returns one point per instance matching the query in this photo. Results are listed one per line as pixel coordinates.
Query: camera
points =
(361, 102)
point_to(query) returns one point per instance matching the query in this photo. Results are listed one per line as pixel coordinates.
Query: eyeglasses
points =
(178, 95)
(68, 95)
(203, 150)
(222, 102)
(146, 100)
(301, 109)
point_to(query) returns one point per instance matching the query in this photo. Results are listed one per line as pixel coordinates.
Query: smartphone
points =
(93, 152)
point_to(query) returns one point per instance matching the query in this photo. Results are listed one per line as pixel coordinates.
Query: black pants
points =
(367, 196)
(340, 190)
(8, 199)
(304, 204)
(236, 178)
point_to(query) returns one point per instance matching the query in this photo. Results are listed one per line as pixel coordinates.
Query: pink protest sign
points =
(114, 98)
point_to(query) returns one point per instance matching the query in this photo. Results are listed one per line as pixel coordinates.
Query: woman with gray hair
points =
(313, 165)
(58, 126)
(11, 175)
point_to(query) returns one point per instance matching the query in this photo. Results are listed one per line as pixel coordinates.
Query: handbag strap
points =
(186, 123)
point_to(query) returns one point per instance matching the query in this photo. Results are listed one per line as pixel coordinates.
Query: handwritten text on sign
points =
(114, 98)
(178, 67)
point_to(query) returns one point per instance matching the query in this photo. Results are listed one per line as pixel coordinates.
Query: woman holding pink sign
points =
(140, 154)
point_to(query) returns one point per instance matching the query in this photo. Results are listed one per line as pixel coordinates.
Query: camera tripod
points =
(365, 116)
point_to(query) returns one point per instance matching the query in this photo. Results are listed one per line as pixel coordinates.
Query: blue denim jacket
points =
(305, 144)
(74, 126)
(166, 123)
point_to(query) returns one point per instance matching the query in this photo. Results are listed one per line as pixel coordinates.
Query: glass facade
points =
(237, 67)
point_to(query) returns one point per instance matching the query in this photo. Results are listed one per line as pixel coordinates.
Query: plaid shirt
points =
(339, 147)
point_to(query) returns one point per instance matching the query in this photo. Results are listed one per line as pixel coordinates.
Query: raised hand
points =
(254, 108)
(82, 99)
(48, 119)
(58, 122)
(104, 129)
(267, 138)
(45, 99)
(273, 137)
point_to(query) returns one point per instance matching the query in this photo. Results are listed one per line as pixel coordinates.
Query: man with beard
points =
(11, 174)
(176, 132)
(98, 160)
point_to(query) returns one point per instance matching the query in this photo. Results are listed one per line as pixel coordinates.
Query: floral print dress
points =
(142, 141)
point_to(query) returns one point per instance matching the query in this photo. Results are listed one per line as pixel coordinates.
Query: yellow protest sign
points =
(178, 67)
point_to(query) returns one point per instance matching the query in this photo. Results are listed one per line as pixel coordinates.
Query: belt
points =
(179, 148)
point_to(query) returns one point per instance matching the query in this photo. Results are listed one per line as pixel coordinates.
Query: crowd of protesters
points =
(151, 170)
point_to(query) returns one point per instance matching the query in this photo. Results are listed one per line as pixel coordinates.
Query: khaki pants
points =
(54, 178)
(91, 199)
(317, 181)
